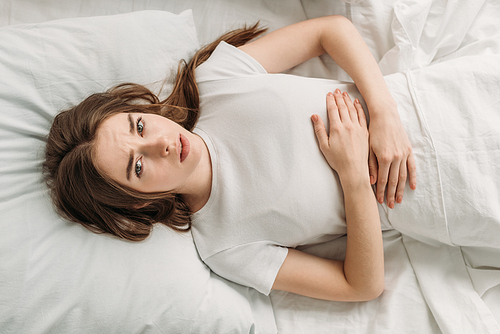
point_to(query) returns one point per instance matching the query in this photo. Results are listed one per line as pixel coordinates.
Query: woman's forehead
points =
(111, 148)
(118, 119)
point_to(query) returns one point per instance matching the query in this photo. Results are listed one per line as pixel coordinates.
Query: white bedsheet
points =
(430, 287)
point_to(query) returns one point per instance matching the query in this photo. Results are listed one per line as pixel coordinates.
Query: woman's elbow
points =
(374, 292)
(339, 20)
(369, 292)
(377, 292)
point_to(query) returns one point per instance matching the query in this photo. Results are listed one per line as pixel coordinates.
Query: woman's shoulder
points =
(228, 62)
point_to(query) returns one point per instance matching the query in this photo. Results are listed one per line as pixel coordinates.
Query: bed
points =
(57, 277)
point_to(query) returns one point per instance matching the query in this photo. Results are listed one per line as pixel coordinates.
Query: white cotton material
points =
(272, 188)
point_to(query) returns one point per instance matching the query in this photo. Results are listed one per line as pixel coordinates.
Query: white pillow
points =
(56, 276)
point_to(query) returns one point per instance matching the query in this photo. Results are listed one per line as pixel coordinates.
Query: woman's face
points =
(147, 152)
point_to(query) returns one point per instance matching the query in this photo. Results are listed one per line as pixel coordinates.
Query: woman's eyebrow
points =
(132, 125)
(129, 166)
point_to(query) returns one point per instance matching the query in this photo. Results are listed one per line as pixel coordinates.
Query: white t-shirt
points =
(272, 187)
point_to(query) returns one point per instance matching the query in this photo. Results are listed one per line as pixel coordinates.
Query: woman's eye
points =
(140, 125)
(138, 168)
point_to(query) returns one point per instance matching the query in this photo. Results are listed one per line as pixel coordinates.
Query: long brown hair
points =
(82, 194)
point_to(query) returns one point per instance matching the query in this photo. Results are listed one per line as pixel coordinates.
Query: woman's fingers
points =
(361, 113)
(342, 107)
(393, 183)
(320, 131)
(401, 183)
(353, 113)
(373, 168)
(412, 171)
(333, 117)
(382, 178)
(332, 109)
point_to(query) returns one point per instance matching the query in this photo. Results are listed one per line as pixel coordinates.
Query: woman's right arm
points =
(360, 276)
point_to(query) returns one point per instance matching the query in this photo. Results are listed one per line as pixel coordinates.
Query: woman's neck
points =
(197, 195)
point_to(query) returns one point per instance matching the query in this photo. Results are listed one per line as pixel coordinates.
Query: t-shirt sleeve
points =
(228, 62)
(254, 264)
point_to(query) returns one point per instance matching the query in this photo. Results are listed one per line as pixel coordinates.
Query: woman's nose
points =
(158, 146)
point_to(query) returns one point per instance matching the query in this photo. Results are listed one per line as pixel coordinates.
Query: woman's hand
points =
(346, 146)
(391, 156)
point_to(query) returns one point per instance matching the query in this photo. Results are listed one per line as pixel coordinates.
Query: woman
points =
(250, 174)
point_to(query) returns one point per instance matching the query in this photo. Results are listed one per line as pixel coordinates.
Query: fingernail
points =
(314, 118)
(337, 91)
(344, 93)
(381, 200)
(372, 179)
(400, 199)
(356, 101)
(330, 94)
(391, 205)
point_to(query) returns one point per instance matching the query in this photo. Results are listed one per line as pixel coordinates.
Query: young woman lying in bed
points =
(232, 155)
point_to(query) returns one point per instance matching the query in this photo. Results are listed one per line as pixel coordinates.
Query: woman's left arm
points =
(391, 153)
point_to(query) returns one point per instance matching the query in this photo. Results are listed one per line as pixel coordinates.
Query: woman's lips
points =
(184, 147)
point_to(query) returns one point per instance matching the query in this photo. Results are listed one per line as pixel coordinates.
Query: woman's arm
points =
(361, 275)
(294, 44)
